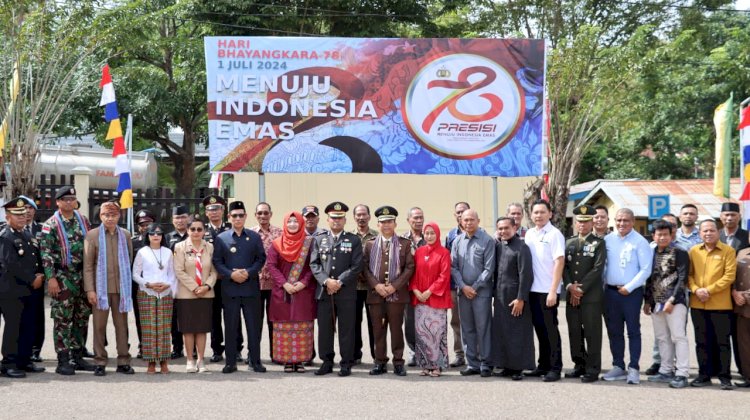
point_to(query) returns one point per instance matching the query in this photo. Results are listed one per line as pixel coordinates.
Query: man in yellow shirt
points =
(712, 271)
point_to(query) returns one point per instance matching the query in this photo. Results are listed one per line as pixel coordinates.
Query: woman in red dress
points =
(292, 308)
(431, 297)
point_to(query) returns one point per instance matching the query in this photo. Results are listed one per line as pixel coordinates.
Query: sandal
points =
(299, 368)
(151, 368)
(424, 372)
(435, 373)
(288, 368)
(164, 367)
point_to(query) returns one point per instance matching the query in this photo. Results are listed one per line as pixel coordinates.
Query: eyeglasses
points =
(237, 215)
(155, 234)
(196, 229)
(262, 213)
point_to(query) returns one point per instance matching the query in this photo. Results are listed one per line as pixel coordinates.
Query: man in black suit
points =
(736, 237)
(238, 257)
(336, 261)
(732, 234)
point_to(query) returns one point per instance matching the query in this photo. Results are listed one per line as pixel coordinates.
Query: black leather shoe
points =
(653, 369)
(379, 369)
(32, 368)
(325, 369)
(587, 378)
(517, 376)
(536, 372)
(216, 358)
(100, 371)
(701, 381)
(458, 362)
(469, 372)
(743, 384)
(139, 355)
(485, 373)
(551, 376)
(505, 373)
(399, 370)
(240, 359)
(176, 355)
(309, 363)
(36, 358)
(345, 371)
(229, 369)
(12, 373)
(726, 384)
(86, 353)
(257, 367)
(412, 361)
(125, 369)
(576, 373)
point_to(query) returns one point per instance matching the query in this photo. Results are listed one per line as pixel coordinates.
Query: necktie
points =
(198, 267)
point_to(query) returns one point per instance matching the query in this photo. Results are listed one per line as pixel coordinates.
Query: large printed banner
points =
(417, 106)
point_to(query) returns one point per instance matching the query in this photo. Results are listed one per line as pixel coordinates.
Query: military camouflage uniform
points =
(70, 311)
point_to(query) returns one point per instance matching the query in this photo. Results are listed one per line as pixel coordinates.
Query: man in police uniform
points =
(214, 208)
(62, 258)
(585, 256)
(179, 234)
(238, 258)
(36, 302)
(20, 271)
(143, 219)
(336, 261)
(388, 266)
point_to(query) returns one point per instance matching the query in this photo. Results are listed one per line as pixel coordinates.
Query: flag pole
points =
(129, 140)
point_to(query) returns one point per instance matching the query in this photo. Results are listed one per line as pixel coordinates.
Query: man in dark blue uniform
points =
(20, 271)
(238, 257)
(336, 261)
(34, 228)
(214, 208)
(179, 234)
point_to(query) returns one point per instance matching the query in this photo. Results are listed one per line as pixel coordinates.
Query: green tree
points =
(47, 43)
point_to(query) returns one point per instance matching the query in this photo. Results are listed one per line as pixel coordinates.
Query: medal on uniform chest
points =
(324, 257)
(247, 239)
(20, 251)
(233, 249)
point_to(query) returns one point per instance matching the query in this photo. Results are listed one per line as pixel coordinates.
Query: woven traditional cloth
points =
(292, 341)
(156, 326)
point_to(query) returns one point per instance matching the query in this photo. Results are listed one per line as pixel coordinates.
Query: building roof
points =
(633, 194)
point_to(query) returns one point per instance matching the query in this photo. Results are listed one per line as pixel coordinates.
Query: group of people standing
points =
(501, 289)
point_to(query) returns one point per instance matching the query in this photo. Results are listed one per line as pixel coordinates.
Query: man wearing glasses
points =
(179, 234)
(62, 259)
(267, 234)
(214, 207)
(239, 257)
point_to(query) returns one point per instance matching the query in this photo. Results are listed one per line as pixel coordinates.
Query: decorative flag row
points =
(15, 87)
(723, 164)
(114, 133)
(744, 128)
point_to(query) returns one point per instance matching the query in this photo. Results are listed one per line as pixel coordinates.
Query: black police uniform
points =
(217, 330)
(339, 259)
(171, 239)
(37, 300)
(243, 251)
(20, 262)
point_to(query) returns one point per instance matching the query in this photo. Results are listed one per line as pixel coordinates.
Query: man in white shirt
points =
(547, 245)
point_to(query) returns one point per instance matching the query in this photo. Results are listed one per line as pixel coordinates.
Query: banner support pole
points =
(494, 200)
(261, 186)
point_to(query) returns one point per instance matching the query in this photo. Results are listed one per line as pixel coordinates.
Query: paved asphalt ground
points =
(278, 395)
